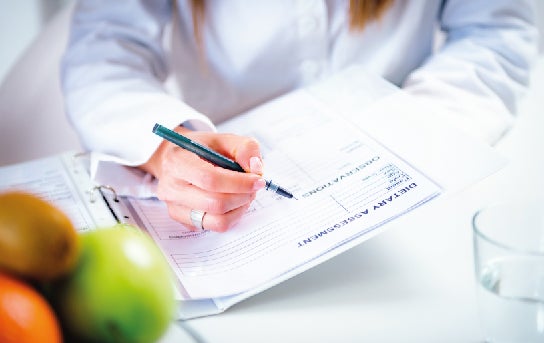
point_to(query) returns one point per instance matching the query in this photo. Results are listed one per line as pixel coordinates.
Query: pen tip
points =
(155, 127)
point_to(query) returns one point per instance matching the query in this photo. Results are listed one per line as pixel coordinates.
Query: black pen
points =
(211, 156)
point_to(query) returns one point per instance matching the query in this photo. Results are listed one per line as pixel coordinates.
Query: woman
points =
(190, 64)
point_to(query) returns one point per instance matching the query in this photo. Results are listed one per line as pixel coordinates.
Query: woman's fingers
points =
(222, 210)
(246, 152)
(256, 165)
(188, 182)
(189, 167)
(188, 195)
(242, 149)
(210, 221)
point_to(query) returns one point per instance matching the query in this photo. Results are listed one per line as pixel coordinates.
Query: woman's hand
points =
(188, 182)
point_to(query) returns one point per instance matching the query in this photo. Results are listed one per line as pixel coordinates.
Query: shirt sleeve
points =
(113, 74)
(479, 73)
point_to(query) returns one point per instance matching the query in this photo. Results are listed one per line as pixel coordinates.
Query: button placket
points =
(311, 29)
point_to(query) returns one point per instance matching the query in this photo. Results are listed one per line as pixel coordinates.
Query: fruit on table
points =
(37, 240)
(121, 289)
(25, 316)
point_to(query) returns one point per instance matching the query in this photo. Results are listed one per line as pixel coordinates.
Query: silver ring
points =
(196, 218)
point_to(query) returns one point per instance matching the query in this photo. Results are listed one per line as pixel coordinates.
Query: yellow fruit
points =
(25, 316)
(37, 240)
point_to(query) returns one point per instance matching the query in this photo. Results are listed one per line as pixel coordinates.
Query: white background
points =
(20, 23)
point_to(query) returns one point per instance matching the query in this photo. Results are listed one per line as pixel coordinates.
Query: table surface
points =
(412, 283)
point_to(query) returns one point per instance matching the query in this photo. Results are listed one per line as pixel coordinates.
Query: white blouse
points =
(130, 64)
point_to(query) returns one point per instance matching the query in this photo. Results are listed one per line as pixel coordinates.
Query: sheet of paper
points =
(411, 128)
(346, 185)
(58, 179)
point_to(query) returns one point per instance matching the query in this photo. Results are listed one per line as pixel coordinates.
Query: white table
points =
(413, 283)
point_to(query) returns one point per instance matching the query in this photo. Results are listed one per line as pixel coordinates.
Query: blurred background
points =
(21, 21)
(33, 35)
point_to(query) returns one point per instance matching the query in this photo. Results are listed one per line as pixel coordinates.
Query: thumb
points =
(248, 155)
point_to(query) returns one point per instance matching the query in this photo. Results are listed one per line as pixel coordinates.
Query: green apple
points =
(121, 289)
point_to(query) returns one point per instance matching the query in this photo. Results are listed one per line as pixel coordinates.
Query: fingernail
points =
(256, 165)
(259, 184)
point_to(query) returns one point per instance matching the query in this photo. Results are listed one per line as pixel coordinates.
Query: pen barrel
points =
(209, 155)
(197, 148)
(215, 158)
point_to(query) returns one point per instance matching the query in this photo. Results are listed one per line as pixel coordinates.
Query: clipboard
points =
(331, 219)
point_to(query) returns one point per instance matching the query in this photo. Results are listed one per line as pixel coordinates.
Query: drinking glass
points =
(509, 265)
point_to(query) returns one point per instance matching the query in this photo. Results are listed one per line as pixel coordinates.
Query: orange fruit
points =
(37, 240)
(25, 315)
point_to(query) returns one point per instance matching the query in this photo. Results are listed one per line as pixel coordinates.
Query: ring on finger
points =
(196, 218)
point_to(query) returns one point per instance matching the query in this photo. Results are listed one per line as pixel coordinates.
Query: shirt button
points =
(306, 4)
(307, 25)
(310, 69)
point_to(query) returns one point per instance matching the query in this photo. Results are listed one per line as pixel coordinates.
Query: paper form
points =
(346, 185)
(54, 179)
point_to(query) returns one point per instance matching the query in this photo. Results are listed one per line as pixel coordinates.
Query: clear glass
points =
(509, 265)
